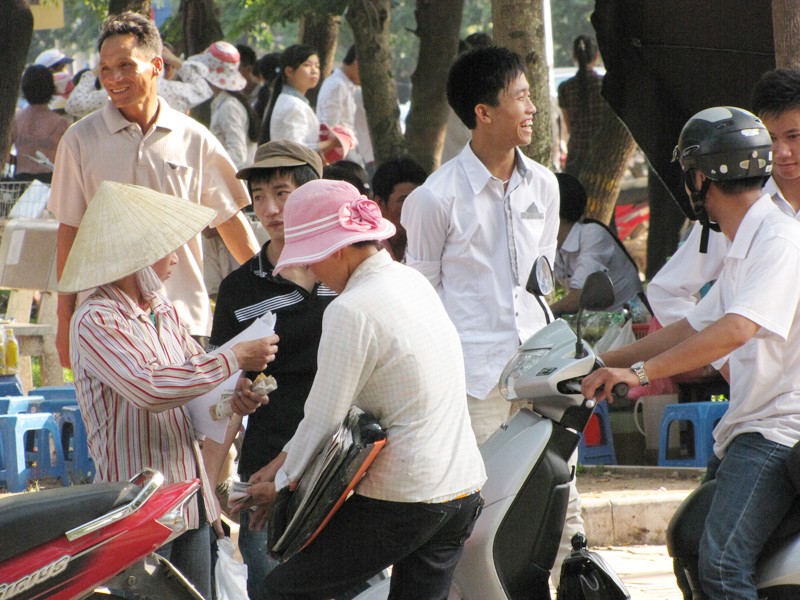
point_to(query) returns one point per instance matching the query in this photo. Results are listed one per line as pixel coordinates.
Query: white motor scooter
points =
(515, 541)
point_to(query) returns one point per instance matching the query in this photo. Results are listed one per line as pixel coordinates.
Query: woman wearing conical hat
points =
(135, 365)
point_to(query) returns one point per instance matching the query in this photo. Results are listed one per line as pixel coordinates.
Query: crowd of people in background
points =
(268, 170)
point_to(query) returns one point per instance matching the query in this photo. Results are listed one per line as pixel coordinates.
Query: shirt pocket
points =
(179, 179)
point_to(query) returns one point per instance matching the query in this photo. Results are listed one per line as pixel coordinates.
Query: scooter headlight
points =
(522, 361)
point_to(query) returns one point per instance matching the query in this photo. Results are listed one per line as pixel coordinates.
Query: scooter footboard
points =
(527, 540)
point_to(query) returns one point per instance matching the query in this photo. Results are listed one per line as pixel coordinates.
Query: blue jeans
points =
(753, 494)
(422, 541)
(254, 547)
(190, 553)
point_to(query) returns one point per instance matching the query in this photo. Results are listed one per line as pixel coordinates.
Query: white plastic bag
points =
(230, 576)
(616, 336)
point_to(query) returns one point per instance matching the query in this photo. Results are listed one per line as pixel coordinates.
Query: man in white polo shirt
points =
(751, 315)
(136, 138)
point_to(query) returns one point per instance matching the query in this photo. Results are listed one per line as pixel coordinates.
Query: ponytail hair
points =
(584, 49)
(293, 57)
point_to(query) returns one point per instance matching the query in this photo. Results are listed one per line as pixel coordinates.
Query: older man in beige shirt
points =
(137, 138)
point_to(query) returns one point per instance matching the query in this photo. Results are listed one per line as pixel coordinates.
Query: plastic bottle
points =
(3, 353)
(11, 353)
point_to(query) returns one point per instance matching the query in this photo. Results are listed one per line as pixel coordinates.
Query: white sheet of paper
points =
(199, 407)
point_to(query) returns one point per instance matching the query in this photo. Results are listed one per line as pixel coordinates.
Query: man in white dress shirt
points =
(480, 221)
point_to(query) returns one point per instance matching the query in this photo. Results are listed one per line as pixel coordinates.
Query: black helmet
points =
(725, 143)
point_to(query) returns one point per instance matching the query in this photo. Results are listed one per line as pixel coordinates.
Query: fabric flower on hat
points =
(360, 215)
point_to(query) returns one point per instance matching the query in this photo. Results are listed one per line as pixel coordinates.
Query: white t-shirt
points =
(759, 282)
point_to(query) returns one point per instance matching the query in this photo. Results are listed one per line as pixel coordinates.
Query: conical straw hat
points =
(126, 228)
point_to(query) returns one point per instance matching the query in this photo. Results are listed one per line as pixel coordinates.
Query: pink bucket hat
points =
(323, 216)
(345, 137)
(222, 60)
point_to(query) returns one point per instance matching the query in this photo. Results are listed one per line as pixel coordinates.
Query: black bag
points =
(298, 517)
(586, 576)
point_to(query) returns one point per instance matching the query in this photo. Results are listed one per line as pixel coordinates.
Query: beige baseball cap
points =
(283, 153)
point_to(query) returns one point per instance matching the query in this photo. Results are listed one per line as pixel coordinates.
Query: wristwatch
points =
(638, 368)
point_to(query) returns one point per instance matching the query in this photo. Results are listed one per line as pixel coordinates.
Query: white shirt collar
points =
(479, 176)
(749, 225)
(771, 188)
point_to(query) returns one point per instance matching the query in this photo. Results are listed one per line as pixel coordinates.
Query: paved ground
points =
(646, 571)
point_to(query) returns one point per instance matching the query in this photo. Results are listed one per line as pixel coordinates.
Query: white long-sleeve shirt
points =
(388, 347)
(476, 243)
(230, 123)
(293, 119)
(336, 102)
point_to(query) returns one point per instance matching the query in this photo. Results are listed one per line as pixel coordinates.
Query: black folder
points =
(298, 517)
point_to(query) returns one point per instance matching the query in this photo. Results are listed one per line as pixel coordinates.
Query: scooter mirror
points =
(597, 292)
(540, 281)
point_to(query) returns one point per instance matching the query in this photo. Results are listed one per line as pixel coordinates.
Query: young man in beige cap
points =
(137, 138)
(389, 348)
(280, 167)
(135, 364)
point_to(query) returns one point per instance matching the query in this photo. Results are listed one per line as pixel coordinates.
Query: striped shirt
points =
(133, 376)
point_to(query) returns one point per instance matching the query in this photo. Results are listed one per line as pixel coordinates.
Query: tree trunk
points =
(611, 149)
(16, 31)
(438, 27)
(116, 7)
(201, 26)
(320, 32)
(369, 20)
(786, 32)
(519, 26)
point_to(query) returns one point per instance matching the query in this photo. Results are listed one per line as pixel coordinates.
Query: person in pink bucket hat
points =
(389, 348)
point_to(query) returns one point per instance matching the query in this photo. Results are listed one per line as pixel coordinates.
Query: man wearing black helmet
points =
(750, 316)
(776, 101)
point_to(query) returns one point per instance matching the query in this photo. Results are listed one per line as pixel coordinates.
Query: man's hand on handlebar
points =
(599, 385)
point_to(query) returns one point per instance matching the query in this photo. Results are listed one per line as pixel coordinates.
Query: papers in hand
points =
(299, 516)
(239, 492)
(199, 408)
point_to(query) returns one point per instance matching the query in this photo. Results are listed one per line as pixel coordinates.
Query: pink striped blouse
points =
(133, 376)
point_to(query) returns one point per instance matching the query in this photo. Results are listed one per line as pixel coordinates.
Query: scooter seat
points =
(686, 526)
(29, 520)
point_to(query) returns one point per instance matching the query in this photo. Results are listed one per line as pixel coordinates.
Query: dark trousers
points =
(190, 554)
(422, 541)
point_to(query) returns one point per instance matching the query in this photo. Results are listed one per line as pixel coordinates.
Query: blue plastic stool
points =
(602, 453)
(12, 405)
(19, 464)
(701, 418)
(53, 399)
(78, 463)
(11, 385)
(55, 392)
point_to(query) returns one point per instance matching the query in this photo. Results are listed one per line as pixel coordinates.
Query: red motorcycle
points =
(94, 541)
